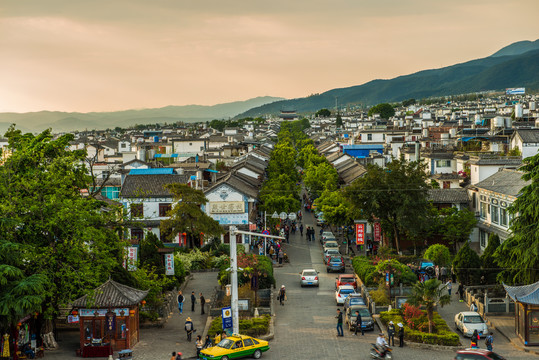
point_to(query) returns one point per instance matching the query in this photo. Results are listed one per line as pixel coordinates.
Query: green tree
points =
(428, 294)
(385, 110)
(439, 254)
(467, 265)
(408, 102)
(488, 261)
(187, 216)
(65, 243)
(320, 178)
(323, 113)
(456, 225)
(335, 207)
(396, 195)
(519, 254)
(149, 252)
(338, 121)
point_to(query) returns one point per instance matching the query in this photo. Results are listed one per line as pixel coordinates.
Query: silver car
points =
(309, 277)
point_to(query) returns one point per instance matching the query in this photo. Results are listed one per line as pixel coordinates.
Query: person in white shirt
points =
(380, 340)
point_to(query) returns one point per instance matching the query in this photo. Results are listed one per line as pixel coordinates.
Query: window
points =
(164, 209)
(137, 235)
(383, 136)
(247, 342)
(105, 174)
(483, 210)
(443, 163)
(121, 329)
(494, 214)
(369, 136)
(482, 239)
(503, 217)
(137, 210)
(111, 192)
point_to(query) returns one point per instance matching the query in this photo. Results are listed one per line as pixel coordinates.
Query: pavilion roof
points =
(527, 294)
(111, 294)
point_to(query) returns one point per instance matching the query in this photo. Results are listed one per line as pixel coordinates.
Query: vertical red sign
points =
(360, 234)
(377, 232)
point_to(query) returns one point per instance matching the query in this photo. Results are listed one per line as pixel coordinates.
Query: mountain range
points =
(516, 65)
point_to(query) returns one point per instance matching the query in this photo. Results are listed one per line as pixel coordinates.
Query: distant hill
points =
(495, 72)
(65, 121)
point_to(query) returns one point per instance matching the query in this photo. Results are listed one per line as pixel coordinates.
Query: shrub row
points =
(444, 336)
(365, 270)
(252, 327)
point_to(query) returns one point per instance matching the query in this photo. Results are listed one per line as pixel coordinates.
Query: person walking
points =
(199, 344)
(391, 334)
(193, 300)
(282, 295)
(202, 303)
(460, 291)
(181, 299)
(189, 328)
(489, 340)
(301, 230)
(339, 323)
(449, 286)
(401, 334)
(358, 325)
(281, 256)
(475, 340)
(207, 342)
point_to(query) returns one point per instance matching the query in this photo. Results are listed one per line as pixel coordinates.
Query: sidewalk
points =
(505, 325)
(159, 343)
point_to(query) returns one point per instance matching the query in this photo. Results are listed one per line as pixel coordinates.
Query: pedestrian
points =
(489, 340)
(453, 275)
(339, 323)
(281, 255)
(207, 342)
(193, 300)
(359, 324)
(202, 303)
(449, 287)
(181, 299)
(473, 307)
(176, 355)
(475, 340)
(460, 291)
(391, 334)
(282, 295)
(401, 334)
(199, 344)
(189, 328)
(301, 230)
(443, 272)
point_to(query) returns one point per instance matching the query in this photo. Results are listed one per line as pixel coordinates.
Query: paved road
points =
(305, 325)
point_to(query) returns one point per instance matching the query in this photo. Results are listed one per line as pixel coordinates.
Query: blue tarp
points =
(158, 171)
(362, 150)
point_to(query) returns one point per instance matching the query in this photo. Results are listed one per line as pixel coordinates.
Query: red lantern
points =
(143, 302)
(74, 312)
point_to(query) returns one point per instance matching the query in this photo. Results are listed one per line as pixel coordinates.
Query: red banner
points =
(377, 232)
(360, 234)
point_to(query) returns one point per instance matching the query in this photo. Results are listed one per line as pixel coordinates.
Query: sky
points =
(107, 55)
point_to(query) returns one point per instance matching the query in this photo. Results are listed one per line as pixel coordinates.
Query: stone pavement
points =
(158, 343)
(505, 325)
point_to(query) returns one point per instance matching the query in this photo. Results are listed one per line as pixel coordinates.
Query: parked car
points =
(235, 346)
(336, 263)
(342, 293)
(468, 321)
(477, 354)
(346, 279)
(367, 322)
(331, 245)
(309, 277)
(353, 299)
(325, 235)
(329, 253)
(328, 239)
(320, 219)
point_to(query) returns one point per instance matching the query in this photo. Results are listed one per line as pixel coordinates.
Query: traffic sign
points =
(292, 216)
(275, 215)
(283, 215)
(226, 313)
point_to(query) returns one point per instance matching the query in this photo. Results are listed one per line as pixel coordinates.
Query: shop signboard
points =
(103, 312)
(360, 234)
(377, 232)
(132, 256)
(169, 264)
(227, 207)
(72, 319)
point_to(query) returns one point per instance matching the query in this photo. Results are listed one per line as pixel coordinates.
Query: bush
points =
(252, 327)
(401, 273)
(439, 254)
(364, 269)
(379, 296)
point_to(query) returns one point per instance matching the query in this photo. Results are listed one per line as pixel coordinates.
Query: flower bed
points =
(412, 327)
(252, 327)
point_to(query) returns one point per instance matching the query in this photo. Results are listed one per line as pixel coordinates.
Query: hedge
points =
(364, 269)
(444, 336)
(252, 327)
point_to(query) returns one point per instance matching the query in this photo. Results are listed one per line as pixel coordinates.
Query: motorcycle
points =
(378, 352)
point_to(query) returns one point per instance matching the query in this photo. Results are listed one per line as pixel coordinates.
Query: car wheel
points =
(224, 358)
(302, 285)
(389, 356)
(257, 354)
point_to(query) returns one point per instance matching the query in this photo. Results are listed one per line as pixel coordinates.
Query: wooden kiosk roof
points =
(111, 294)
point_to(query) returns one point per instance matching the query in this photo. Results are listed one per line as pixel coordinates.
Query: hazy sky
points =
(100, 55)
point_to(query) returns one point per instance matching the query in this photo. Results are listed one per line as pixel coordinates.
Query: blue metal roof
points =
(174, 155)
(363, 150)
(363, 147)
(526, 294)
(212, 171)
(156, 171)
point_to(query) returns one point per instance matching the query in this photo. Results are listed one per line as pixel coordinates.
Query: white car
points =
(468, 321)
(331, 245)
(342, 293)
(329, 253)
(309, 277)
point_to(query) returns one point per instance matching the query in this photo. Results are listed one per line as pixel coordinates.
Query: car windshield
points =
(362, 312)
(225, 343)
(346, 291)
(473, 319)
(347, 280)
(309, 273)
(356, 300)
(335, 259)
(331, 245)
(332, 251)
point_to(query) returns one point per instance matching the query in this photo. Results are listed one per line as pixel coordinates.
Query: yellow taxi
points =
(234, 347)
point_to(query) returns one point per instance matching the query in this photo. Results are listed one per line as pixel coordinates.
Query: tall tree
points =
(488, 261)
(187, 216)
(428, 294)
(396, 195)
(59, 235)
(467, 265)
(439, 254)
(323, 113)
(456, 225)
(338, 121)
(519, 254)
(385, 110)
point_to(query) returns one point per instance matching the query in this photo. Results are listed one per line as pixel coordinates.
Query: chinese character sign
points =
(360, 234)
(377, 232)
(169, 264)
(132, 258)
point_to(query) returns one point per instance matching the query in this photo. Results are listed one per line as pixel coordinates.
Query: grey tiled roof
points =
(528, 135)
(448, 196)
(527, 294)
(507, 182)
(112, 294)
(147, 186)
(507, 161)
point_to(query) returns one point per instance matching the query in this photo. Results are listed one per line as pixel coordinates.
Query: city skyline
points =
(70, 55)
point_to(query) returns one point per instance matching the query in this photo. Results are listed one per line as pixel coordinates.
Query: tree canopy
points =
(467, 265)
(323, 113)
(385, 110)
(439, 254)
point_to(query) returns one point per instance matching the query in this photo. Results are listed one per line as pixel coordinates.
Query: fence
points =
(488, 304)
